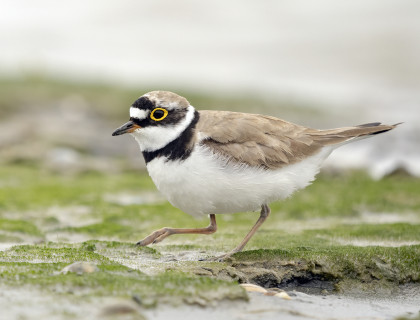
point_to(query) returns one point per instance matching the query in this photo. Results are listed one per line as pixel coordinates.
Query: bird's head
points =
(157, 118)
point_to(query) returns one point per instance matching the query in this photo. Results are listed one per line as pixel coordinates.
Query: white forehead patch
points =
(138, 113)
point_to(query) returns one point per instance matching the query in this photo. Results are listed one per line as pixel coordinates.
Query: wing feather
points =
(269, 142)
(254, 139)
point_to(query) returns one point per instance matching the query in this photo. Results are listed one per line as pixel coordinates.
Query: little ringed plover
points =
(217, 162)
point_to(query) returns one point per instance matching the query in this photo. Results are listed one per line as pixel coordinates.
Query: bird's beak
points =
(127, 127)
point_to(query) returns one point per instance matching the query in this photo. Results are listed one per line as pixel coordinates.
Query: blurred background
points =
(69, 71)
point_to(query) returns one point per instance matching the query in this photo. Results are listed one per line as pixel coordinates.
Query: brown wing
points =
(269, 142)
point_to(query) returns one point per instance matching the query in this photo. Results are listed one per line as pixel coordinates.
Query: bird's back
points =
(269, 142)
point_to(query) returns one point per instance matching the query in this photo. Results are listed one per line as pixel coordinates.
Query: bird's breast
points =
(206, 183)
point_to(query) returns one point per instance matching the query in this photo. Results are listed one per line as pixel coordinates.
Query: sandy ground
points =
(302, 306)
(20, 303)
(33, 303)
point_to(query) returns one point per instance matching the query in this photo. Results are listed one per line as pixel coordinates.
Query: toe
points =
(161, 237)
(154, 237)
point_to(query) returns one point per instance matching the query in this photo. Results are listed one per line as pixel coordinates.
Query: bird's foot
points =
(155, 237)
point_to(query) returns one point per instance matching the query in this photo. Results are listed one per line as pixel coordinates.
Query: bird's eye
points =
(158, 114)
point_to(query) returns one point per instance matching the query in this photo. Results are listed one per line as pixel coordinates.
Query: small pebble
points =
(80, 268)
(252, 288)
(283, 295)
(118, 309)
(137, 300)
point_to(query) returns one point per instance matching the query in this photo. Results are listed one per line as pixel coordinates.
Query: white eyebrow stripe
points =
(138, 113)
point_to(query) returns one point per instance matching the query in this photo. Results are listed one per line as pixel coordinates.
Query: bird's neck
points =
(178, 148)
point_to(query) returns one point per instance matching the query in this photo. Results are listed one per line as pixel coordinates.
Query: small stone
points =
(252, 288)
(197, 301)
(283, 295)
(137, 300)
(202, 272)
(119, 309)
(80, 268)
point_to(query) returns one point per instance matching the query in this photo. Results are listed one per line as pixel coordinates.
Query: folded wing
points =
(269, 142)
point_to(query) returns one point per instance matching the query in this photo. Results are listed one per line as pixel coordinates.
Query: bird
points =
(208, 162)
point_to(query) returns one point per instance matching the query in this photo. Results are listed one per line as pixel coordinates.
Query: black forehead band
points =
(143, 103)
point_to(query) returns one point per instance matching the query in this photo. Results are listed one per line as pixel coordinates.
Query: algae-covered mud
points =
(74, 201)
(346, 241)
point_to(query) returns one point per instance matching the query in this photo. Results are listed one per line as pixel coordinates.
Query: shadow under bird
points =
(217, 162)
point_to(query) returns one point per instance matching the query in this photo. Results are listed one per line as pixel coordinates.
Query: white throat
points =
(156, 137)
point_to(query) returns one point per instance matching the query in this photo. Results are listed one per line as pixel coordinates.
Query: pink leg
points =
(265, 212)
(161, 234)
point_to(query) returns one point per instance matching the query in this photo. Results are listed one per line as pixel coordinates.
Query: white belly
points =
(206, 184)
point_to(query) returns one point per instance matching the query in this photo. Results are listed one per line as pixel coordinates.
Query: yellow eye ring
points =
(152, 114)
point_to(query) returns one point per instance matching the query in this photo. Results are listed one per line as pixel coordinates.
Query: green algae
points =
(400, 264)
(30, 188)
(309, 237)
(70, 252)
(116, 248)
(385, 234)
(387, 231)
(315, 236)
(354, 192)
(19, 226)
(40, 266)
(118, 281)
(51, 252)
(343, 269)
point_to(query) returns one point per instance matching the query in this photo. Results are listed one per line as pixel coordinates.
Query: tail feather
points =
(374, 125)
(347, 134)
